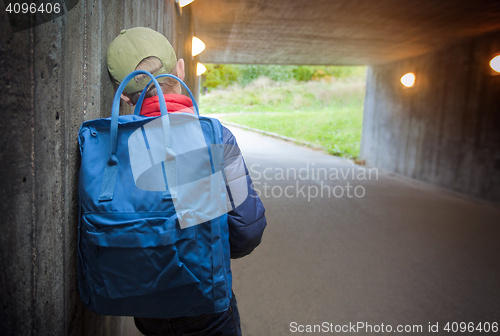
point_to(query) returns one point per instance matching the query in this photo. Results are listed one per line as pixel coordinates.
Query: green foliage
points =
(223, 75)
(317, 72)
(275, 72)
(220, 75)
(303, 73)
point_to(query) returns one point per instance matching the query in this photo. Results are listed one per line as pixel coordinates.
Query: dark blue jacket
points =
(247, 220)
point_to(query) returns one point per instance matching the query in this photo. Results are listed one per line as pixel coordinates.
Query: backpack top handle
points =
(138, 106)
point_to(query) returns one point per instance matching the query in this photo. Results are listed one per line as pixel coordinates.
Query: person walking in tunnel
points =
(145, 49)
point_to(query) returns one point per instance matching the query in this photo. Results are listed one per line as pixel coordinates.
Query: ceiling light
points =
(183, 3)
(408, 80)
(197, 46)
(495, 63)
(200, 69)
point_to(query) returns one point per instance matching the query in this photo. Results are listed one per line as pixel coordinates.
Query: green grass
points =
(327, 113)
(339, 132)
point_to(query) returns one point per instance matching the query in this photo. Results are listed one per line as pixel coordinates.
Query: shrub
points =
(220, 76)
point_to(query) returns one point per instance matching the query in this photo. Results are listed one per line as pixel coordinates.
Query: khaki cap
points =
(132, 46)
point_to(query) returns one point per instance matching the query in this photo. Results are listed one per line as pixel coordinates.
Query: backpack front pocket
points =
(138, 254)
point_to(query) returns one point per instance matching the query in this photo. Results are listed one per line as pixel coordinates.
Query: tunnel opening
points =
(319, 106)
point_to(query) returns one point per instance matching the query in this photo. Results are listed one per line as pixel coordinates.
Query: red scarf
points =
(175, 103)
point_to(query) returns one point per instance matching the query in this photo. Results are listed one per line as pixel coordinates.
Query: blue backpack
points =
(148, 246)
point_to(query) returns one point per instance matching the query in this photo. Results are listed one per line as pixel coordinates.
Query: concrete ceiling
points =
(338, 32)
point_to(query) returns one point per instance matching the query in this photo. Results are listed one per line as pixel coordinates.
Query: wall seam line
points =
(33, 184)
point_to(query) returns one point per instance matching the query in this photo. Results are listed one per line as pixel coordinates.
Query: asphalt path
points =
(393, 251)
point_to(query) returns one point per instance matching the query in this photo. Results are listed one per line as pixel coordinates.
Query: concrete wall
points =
(446, 129)
(52, 78)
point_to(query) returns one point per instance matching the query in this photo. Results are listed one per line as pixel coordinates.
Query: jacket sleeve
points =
(246, 219)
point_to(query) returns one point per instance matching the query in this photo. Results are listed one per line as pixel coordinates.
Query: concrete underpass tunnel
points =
(444, 131)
